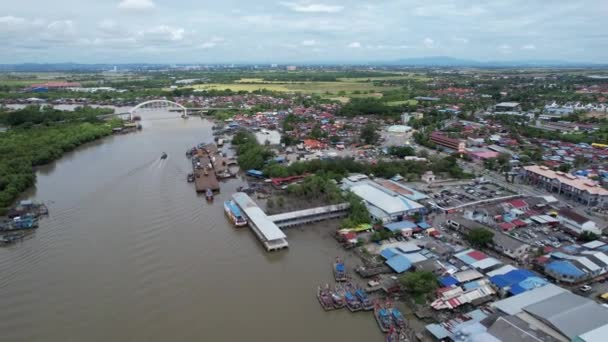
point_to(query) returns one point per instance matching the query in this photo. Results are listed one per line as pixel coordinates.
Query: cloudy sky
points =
(205, 31)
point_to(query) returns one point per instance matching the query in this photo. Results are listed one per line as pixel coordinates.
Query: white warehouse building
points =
(385, 206)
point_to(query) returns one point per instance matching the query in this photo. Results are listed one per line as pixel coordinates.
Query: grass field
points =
(348, 87)
(399, 103)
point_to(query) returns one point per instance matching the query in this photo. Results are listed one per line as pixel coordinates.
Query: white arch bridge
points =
(161, 104)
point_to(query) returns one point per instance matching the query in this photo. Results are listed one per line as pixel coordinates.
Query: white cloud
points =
(528, 47)
(505, 48)
(136, 4)
(428, 43)
(10, 20)
(162, 33)
(440, 10)
(310, 42)
(211, 43)
(312, 8)
(388, 47)
(354, 45)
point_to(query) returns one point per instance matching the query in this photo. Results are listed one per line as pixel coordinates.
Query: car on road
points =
(585, 288)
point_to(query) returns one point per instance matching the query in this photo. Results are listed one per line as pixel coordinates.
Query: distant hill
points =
(442, 61)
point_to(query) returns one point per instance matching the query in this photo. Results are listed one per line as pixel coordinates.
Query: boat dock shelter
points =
(296, 218)
(267, 231)
(268, 228)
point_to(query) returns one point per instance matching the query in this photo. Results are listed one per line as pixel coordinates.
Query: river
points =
(131, 253)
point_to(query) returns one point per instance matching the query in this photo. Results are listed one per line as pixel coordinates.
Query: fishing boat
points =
(209, 195)
(11, 238)
(398, 318)
(163, 156)
(338, 297)
(234, 214)
(352, 303)
(339, 270)
(324, 297)
(366, 302)
(383, 317)
(395, 335)
(190, 178)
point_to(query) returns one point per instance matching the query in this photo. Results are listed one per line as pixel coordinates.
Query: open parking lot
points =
(449, 196)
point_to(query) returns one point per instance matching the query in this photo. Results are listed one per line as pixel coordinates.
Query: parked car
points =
(585, 288)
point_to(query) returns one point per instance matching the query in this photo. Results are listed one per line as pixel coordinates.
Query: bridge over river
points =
(162, 104)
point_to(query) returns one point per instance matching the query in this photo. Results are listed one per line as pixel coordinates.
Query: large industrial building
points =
(384, 204)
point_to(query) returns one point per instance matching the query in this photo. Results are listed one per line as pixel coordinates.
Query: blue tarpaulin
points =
(500, 281)
(516, 289)
(448, 281)
(340, 267)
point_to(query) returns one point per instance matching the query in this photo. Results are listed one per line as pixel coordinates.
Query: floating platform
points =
(203, 182)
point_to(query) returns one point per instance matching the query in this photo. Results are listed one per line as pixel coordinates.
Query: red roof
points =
(518, 203)
(506, 226)
(477, 255)
(519, 223)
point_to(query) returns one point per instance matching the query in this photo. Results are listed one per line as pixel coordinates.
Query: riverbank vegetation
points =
(31, 144)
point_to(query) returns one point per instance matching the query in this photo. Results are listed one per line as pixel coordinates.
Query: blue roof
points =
(398, 226)
(388, 253)
(448, 281)
(423, 225)
(516, 289)
(500, 281)
(565, 267)
(399, 263)
(518, 275)
(471, 285)
(532, 282)
(255, 172)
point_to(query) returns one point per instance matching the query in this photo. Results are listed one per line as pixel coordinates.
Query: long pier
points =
(268, 228)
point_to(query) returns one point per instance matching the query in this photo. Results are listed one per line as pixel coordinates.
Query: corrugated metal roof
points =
(565, 267)
(595, 335)
(514, 305)
(389, 204)
(399, 263)
(570, 314)
(401, 225)
(486, 263)
(255, 215)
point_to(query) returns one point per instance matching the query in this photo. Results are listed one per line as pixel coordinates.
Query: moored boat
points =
(383, 318)
(190, 178)
(366, 302)
(339, 270)
(324, 297)
(352, 303)
(338, 297)
(395, 335)
(398, 318)
(234, 214)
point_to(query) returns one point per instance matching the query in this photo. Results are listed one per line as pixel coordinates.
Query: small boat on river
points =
(163, 156)
(383, 317)
(338, 297)
(324, 297)
(352, 303)
(209, 195)
(234, 214)
(366, 302)
(339, 270)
